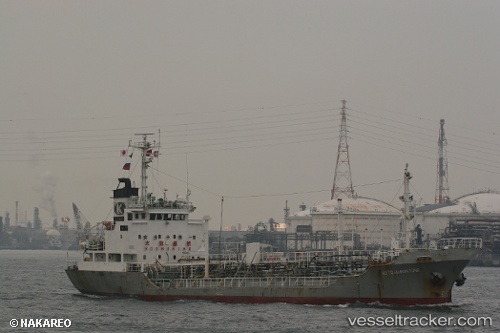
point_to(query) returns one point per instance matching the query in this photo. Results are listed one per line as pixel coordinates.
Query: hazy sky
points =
(251, 91)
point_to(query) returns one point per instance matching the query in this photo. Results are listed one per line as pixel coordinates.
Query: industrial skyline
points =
(246, 98)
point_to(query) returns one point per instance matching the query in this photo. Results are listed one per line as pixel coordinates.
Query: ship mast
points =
(442, 188)
(146, 149)
(407, 199)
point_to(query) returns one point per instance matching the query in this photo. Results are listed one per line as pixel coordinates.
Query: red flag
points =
(156, 153)
(124, 152)
(148, 152)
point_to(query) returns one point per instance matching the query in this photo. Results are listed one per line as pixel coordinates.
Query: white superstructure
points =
(146, 230)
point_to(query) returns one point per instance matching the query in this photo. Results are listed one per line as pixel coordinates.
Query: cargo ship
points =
(154, 251)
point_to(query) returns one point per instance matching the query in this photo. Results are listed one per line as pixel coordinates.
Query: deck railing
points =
(460, 243)
(307, 256)
(292, 281)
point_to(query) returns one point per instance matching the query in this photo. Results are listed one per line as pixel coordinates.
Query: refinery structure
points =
(352, 221)
(348, 220)
(471, 215)
(21, 233)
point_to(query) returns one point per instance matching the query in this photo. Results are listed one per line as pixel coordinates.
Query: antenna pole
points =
(187, 179)
(442, 189)
(144, 186)
(220, 228)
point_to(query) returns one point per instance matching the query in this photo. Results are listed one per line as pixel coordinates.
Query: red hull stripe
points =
(292, 300)
(300, 300)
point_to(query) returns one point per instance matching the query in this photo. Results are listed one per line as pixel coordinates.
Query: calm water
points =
(34, 285)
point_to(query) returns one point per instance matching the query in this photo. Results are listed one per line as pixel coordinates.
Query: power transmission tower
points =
(342, 183)
(442, 189)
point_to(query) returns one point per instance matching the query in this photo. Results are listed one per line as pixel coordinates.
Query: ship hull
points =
(405, 283)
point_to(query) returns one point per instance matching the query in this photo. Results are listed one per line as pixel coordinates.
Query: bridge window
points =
(124, 228)
(114, 257)
(155, 217)
(129, 257)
